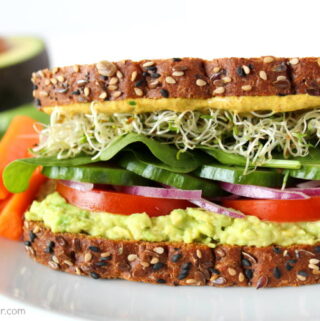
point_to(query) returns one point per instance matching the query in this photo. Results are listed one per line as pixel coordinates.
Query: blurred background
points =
(81, 31)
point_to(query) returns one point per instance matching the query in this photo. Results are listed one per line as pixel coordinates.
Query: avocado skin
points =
(15, 85)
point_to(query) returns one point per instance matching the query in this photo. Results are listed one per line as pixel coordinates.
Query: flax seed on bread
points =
(173, 263)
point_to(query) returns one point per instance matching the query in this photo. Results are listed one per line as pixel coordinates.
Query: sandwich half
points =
(178, 171)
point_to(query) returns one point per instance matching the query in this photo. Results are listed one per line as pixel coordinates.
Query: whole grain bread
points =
(173, 263)
(177, 78)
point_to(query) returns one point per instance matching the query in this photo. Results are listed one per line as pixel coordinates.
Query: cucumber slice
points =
(95, 174)
(163, 176)
(307, 171)
(235, 175)
(233, 159)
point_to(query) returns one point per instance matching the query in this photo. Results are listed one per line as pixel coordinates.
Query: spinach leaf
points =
(17, 174)
(146, 157)
(23, 169)
(169, 155)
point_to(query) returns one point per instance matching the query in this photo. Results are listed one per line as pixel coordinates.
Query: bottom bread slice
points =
(173, 263)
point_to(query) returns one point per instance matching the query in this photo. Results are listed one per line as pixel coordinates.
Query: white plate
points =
(33, 284)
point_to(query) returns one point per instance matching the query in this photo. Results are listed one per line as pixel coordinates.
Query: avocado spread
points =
(192, 225)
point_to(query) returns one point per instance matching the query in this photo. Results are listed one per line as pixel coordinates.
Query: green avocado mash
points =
(190, 226)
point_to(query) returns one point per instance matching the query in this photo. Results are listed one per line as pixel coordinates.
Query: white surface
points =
(81, 31)
(31, 283)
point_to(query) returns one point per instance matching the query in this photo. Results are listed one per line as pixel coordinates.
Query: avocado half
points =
(19, 57)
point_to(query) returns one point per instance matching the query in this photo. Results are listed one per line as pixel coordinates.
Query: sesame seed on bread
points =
(189, 78)
(173, 263)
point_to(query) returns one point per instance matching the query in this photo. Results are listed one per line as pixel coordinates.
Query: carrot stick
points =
(11, 217)
(19, 137)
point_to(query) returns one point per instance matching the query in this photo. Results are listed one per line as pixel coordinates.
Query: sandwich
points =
(180, 171)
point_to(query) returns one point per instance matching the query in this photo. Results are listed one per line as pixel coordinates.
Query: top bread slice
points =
(188, 78)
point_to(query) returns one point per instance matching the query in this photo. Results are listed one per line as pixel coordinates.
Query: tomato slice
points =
(279, 210)
(119, 203)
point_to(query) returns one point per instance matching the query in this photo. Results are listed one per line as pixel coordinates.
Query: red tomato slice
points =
(119, 203)
(279, 210)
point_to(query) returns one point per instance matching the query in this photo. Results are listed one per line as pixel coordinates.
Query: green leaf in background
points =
(26, 110)
(183, 162)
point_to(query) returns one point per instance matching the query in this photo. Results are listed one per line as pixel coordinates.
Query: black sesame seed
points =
(37, 102)
(186, 266)
(140, 83)
(277, 273)
(241, 72)
(157, 266)
(176, 257)
(251, 66)
(293, 261)
(288, 267)
(245, 262)
(76, 92)
(27, 243)
(214, 271)
(303, 273)
(94, 275)
(145, 74)
(72, 255)
(102, 263)
(276, 250)
(155, 75)
(317, 249)
(35, 87)
(164, 93)
(152, 68)
(176, 59)
(32, 236)
(107, 258)
(161, 281)
(51, 244)
(94, 249)
(248, 273)
(280, 67)
(49, 248)
(183, 275)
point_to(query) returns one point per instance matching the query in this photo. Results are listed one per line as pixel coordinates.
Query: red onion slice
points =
(312, 191)
(80, 186)
(253, 191)
(159, 192)
(212, 207)
(309, 184)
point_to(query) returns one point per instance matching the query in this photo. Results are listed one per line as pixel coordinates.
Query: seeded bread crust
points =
(176, 78)
(173, 263)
